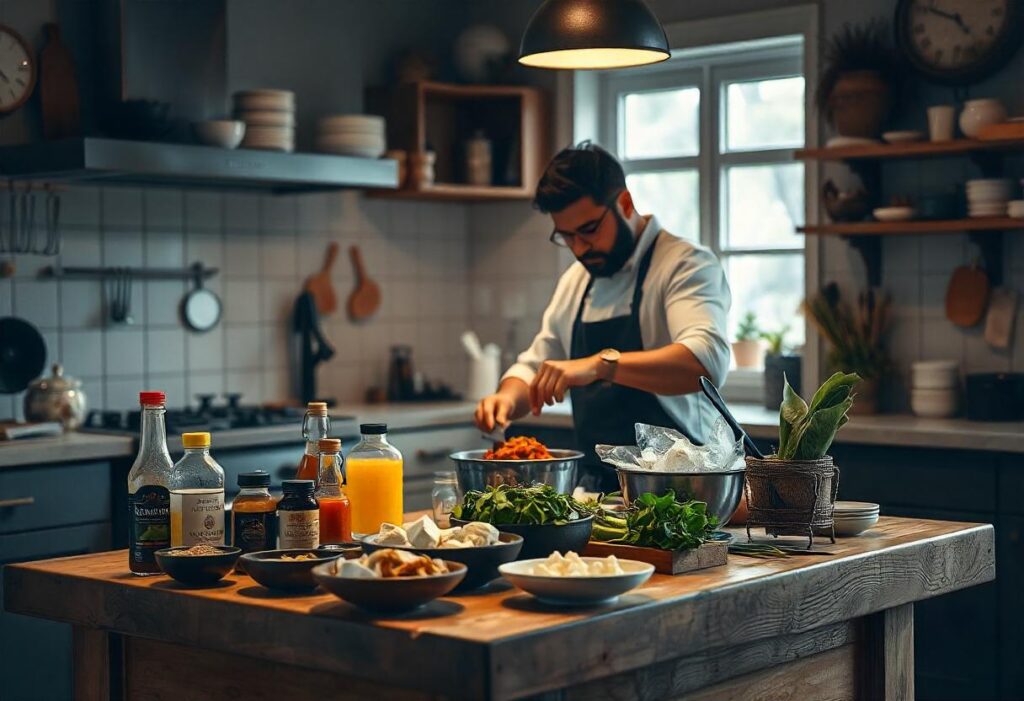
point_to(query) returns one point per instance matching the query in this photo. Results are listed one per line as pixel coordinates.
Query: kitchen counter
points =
(70, 447)
(824, 626)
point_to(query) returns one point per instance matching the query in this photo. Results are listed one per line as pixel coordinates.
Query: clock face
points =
(957, 40)
(17, 70)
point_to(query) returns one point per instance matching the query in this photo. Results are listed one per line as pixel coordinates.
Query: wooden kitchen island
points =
(835, 626)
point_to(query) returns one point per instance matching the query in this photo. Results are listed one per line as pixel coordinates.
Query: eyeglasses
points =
(565, 238)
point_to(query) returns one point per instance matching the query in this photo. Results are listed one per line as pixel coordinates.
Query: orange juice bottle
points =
(374, 480)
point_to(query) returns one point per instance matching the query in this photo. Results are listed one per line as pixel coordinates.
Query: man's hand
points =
(493, 411)
(555, 377)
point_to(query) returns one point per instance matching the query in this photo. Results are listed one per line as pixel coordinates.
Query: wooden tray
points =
(664, 561)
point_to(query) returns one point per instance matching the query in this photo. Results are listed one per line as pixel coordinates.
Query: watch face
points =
(957, 40)
(17, 70)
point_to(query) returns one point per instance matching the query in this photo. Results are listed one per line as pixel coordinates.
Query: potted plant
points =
(747, 346)
(793, 491)
(858, 79)
(855, 336)
(778, 365)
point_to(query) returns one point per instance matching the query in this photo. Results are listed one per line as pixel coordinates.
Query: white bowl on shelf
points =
(895, 213)
(935, 374)
(225, 133)
(933, 403)
(344, 123)
(849, 526)
(897, 137)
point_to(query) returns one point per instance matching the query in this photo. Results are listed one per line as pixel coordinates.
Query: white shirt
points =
(686, 300)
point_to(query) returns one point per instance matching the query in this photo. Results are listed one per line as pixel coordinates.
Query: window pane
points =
(763, 205)
(771, 286)
(765, 114)
(661, 124)
(671, 196)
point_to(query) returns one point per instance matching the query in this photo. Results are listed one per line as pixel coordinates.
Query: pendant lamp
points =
(593, 34)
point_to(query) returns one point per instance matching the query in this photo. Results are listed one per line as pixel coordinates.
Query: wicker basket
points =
(792, 497)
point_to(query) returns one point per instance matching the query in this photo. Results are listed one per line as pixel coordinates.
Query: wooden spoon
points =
(58, 88)
(319, 284)
(967, 296)
(365, 298)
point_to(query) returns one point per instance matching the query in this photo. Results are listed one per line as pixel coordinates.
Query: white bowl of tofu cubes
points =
(571, 580)
(480, 546)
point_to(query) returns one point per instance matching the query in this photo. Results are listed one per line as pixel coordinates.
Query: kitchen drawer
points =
(426, 452)
(58, 495)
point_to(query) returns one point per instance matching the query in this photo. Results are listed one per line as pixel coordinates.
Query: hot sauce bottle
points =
(335, 510)
(315, 425)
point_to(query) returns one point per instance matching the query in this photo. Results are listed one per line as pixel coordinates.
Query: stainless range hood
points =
(111, 161)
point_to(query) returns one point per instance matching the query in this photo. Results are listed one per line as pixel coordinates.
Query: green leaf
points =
(821, 431)
(791, 412)
(829, 394)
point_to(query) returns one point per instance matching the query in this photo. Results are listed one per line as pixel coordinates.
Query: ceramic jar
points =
(980, 113)
(56, 398)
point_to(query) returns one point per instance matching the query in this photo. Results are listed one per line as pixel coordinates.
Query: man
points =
(632, 325)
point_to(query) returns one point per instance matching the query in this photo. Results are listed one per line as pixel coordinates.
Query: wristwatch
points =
(609, 361)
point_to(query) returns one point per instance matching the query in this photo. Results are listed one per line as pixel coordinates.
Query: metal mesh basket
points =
(792, 497)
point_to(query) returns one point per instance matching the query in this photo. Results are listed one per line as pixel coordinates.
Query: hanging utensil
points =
(22, 354)
(319, 284)
(200, 308)
(126, 309)
(967, 295)
(365, 298)
(712, 393)
(51, 213)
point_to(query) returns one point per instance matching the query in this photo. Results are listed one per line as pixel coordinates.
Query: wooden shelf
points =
(916, 149)
(896, 228)
(449, 192)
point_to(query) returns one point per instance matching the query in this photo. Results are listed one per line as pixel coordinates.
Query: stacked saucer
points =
(988, 197)
(269, 117)
(352, 135)
(854, 517)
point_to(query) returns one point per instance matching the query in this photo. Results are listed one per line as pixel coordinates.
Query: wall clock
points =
(17, 70)
(958, 41)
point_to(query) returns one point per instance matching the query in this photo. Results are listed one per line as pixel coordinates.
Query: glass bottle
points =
(197, 494)
(374, 480)
(335, 510)
(254, 514)
(316, 424)
(444, 497)
(298, 516)
(149, 500)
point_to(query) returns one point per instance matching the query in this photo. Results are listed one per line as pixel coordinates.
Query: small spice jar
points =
(298, 515)
(254, 514)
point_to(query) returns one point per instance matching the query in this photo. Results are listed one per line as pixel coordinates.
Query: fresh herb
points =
(776, 340)
(658, 522)
(748, 329)
(537, 504)
(806, 432)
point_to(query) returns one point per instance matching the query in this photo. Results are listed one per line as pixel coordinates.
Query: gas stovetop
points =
(206, 417)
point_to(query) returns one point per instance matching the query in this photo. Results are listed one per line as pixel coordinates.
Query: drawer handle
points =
(434, 455)
(17, 501)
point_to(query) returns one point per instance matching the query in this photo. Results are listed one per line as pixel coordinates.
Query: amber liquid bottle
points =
(315, 425)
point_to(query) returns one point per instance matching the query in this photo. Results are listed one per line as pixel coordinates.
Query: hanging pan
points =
(201, 308)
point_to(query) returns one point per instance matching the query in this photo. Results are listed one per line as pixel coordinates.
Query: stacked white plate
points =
(1015, 209)
(352, 135)
(987, 197)
(854, 517)
(269, 117)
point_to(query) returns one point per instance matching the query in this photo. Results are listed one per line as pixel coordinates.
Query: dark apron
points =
(604, 412)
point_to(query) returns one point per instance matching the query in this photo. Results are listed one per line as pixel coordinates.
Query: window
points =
(707, 140)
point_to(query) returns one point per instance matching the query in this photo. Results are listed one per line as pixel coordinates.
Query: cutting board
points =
(365, 298)
(320, 286)
(58, 88)
(664, 561)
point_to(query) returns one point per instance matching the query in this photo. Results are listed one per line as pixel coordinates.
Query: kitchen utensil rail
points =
(188, 273)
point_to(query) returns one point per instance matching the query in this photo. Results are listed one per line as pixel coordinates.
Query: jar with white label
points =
(196, 485)
(298, 516)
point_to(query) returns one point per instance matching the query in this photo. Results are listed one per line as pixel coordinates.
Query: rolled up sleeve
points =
(697, 302)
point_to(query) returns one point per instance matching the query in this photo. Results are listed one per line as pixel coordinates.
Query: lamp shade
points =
(593, 34)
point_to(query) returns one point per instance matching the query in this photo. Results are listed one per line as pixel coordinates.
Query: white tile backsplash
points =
(123, 248)
(204, 211)
(244, 347)
(163, 209)
(122, 208)
(165, 351)
(205, 351)
(81, 353)
(164, 248)
(242, 301)
(125, 352)
(36, 300)
(81, 304)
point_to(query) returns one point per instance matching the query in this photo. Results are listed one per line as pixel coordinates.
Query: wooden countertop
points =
(502, 644)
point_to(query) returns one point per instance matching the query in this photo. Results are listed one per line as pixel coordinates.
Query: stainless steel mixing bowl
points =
(721, 491)
(476, 473)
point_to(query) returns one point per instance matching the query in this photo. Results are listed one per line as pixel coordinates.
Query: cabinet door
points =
(1010, 581)
(956, 638)
(36, 659)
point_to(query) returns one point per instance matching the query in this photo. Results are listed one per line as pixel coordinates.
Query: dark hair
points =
(579, 171)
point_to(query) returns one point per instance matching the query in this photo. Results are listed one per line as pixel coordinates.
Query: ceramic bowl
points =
(390, 594)
(266, 99)
(267, 118)
(894, 213)
(933, 403)
(226, 133)
(267, 568)
(895, 137)
(540, 540)
(198, 570)
(577, 591)
(854, 525)
(935, 374)
(351, 123)
(482, 561)
(980, 113)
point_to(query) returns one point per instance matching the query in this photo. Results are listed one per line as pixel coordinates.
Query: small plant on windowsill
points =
(779, 363)
(747, 348)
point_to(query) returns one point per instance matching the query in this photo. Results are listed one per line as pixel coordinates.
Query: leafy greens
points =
(536, 504)
(658, 522)
(806, 431)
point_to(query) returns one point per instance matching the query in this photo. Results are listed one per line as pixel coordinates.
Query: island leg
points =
(887, 655)
(90, 650)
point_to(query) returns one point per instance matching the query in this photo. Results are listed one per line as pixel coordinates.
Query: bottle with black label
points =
(254, 514)
(298, 516)
(149, 512)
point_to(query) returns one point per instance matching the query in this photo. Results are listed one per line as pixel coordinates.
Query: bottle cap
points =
(298, 486)
(254, 479)
(317, 408)
(329, 445)
(152, 398)
(373, 429)
(195, 440)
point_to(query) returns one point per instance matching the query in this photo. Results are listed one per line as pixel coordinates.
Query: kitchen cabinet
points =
(426, 452)
(1010, 580)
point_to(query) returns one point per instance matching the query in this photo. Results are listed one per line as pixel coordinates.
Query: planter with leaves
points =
(859, 78)
(747, 348)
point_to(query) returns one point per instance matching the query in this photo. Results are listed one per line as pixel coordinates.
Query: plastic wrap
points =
(662, 449)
